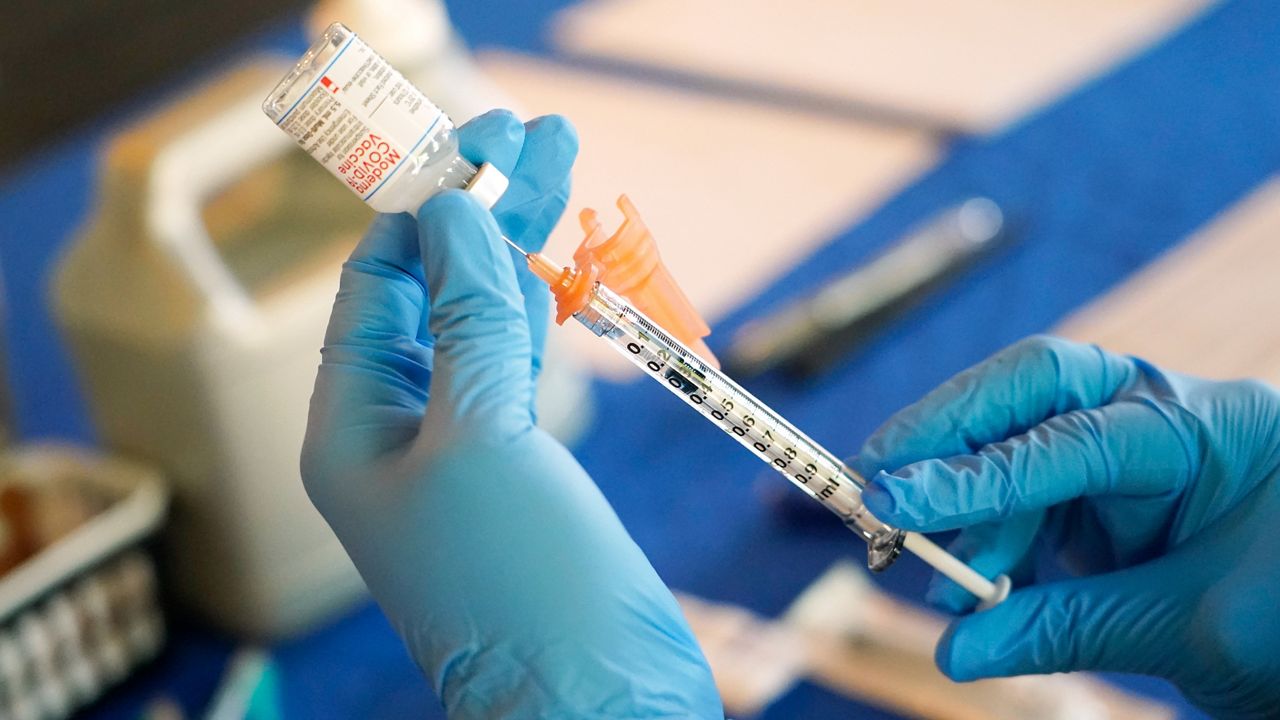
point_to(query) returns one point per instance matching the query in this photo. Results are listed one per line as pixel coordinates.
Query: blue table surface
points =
(1095, 185)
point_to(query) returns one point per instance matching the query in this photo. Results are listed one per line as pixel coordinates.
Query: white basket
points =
(77, 617)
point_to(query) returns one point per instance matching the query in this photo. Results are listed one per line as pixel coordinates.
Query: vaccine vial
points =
(370, 127)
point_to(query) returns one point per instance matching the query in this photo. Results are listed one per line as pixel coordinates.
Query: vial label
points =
(361, 119)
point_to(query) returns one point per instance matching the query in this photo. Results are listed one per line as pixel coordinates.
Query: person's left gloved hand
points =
(499, 562)
(1159, 491)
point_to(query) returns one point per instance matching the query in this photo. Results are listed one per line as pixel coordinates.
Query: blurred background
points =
(161, 324)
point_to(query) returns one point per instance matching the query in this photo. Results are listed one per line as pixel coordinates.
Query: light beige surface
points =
(734, 193)
(977, 63)
(845, 635)
(1207, 307)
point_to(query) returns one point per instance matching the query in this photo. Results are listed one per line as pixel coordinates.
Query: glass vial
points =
(369, 126)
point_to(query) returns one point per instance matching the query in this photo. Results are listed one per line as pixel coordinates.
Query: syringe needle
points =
(514, 246)
(540, 264)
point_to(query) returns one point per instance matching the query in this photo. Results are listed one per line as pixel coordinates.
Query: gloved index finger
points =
(1125, 448)
(533, 205)
(496, 137)
(535, 199)
(1005, 395)
(539, 186)
(482, 378)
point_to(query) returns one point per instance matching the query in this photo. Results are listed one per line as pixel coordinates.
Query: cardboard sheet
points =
(847, 636)
(977, 64)
(1207, 307)
(735, 193)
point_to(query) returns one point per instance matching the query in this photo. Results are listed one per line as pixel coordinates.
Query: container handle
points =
(185, 174)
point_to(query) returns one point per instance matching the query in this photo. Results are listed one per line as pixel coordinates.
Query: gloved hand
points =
(1158, 490)
(499, 562)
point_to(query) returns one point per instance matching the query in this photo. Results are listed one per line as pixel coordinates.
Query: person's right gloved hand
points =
(512, 582)
(1158, 490)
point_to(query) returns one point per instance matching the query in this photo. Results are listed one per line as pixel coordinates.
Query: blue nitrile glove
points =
(497, 559)
(1158, 490)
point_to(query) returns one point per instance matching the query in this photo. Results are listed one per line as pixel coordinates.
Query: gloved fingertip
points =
(386, 223)
(448, 210)
(949, 597)
(498, 124)
(954, 656)
(463, 255)
(872, 452)
(390, 241)
(864, 465)
(555, 129)
(880, 500)
(496, 137)
(896, 499)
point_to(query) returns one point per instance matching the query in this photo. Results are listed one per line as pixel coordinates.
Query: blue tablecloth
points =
(1095, 185)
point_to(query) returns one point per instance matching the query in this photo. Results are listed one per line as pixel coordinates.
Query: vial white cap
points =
(487, 185)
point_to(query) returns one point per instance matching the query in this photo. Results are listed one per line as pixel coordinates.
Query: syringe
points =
(768, 435)
(307, 101)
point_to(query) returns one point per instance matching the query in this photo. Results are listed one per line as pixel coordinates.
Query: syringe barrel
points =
(753, 424)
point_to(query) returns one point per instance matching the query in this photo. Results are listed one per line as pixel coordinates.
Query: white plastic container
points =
(201, 362)
(198, 361)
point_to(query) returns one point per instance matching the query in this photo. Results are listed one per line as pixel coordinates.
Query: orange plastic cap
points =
(628, 263)
(570, 287)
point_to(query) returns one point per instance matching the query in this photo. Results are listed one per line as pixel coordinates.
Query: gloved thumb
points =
(1114, 622)
(481, 376)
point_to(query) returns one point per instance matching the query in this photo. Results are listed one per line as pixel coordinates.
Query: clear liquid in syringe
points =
(744, 418)
(756, 427)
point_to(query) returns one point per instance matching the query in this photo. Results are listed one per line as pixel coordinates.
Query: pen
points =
(811, 334)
